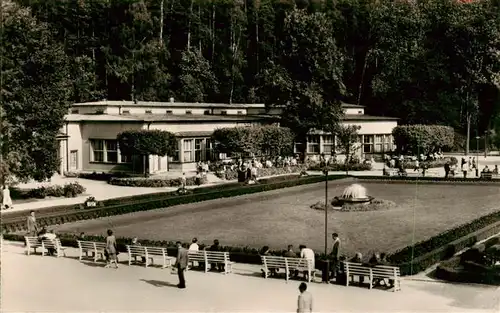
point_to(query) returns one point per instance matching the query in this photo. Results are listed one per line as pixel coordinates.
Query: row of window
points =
(201, 149)
(107, 151)
(371, 143)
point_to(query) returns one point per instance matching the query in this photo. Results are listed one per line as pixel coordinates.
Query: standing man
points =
(305, 301)
(335, 254)
(31, 225)
(181, 264)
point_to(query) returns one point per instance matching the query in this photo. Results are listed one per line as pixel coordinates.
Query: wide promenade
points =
(46, 284)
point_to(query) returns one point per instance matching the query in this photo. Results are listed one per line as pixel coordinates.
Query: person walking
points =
(111, 250)
(6, 200)
(31, 225)
(305, 300)
(181, 264)
(335, 254)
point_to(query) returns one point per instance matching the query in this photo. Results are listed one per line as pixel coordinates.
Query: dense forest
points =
(429, 61)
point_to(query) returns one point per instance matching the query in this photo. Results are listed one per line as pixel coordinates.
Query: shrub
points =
(320, 205)
(374, 205)
(338, 167)
(424, 139)
(251, 141)
(157, 182)
(69, 190)
(72, 190)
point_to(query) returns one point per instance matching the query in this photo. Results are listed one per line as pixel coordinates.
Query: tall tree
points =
(306, 81)
(35, 91)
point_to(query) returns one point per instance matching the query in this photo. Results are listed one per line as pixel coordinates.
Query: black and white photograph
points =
(249, 156)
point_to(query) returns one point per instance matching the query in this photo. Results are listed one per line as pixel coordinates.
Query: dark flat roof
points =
(363, 117)
(194, 134)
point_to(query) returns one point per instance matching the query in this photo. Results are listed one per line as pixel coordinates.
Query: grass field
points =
(281, 217)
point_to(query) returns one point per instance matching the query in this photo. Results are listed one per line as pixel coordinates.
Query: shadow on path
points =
(159, 283)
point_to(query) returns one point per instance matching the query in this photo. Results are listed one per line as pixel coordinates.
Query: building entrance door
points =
(73, 160)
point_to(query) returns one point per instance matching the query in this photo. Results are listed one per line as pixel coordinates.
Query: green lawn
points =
(281, 217)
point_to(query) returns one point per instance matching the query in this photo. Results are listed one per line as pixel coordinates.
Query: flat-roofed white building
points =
(88, 139)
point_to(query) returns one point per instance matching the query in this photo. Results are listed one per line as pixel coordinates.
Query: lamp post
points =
(326, 264)
(485, 144)
(477, 156)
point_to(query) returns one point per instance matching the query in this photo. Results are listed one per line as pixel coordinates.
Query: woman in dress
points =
(111, 249)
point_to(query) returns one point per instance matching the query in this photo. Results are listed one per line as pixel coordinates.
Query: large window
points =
(97, 154)
(106, 151)
(328, 144)
(197, 149)
(367, 143)
(209, 150)
(379, 143)
(111, 151)
(313, 144)
(187, 149)
(175, 157)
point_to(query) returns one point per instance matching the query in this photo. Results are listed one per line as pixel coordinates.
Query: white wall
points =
(354, 111)
(374, 127)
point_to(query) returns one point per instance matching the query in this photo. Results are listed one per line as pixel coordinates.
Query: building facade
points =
(88, 139)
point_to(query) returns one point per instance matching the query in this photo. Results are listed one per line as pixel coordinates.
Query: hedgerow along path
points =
(281, 217)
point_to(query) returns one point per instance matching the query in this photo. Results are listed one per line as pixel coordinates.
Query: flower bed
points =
(374, 205)
(261, 172)
(157, 182)
(338, 167)
(428, 180)
(69, 190)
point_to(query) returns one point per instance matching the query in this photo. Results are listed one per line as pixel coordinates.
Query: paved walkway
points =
(46, 284)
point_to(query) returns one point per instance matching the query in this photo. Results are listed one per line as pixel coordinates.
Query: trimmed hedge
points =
(261, 172)
(98, 176)
(427, 180)
(157, 182)
(339, 167)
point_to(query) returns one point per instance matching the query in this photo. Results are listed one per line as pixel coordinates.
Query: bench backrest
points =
(156, 251)
(217, 256)
(385, 270)
(196, 255)
(91, 245)
(133, 249)
(279, 261)
(357, 268)
(49, 243)
(32, 241)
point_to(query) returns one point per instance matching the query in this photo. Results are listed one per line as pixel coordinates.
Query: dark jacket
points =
(182, 258)
(336, 250)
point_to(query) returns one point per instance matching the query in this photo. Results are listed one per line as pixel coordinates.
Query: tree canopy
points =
(147, 142)
(36, 88)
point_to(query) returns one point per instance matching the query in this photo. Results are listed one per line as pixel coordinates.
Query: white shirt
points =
(194, 247)
(49, 236)
(307, 253)
(304, 302)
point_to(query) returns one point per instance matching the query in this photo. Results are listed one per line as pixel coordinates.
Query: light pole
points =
(477, 156)
(326, 264)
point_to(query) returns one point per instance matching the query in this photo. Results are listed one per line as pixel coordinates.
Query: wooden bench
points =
(376, 272)
(486, 175)
(148, 253)
(289, 264)
(32, 243)
(97, 248)
(53, 244)
(211, 257)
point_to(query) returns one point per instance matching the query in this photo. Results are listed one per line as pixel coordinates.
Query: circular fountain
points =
(353, 194)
